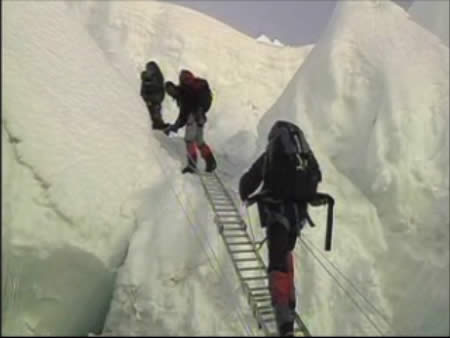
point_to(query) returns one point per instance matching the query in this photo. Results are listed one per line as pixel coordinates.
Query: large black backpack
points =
(198, 88)
(205, 94)
(291, 171)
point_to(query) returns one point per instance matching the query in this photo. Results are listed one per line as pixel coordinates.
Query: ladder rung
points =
(252, 268)
(265, 312)
(259, 288)
(227, 209)
(262, 299)
(233, 215)
(229, 222)
(240, 243)
(254, 278)
(247, 263)
(270, 316)
(229, 218)
(234, 228)
(264, 307)
(235, 236)
(242, 251)
(245, 259)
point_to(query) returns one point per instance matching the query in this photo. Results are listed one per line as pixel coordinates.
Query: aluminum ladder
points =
(247, 262)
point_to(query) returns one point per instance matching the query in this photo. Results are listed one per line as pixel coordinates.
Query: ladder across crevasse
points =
(246, 260)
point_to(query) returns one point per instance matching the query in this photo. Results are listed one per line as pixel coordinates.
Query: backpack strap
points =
(322, 199)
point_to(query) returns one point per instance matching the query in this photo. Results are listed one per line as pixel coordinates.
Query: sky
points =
(103, 234)
(294, 22)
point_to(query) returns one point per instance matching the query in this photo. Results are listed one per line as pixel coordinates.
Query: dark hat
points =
(186, 76)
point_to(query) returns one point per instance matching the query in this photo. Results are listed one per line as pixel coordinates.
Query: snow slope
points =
(65, 118)
(96, 204)
(374, 94)
(231, 61)
(79, 159)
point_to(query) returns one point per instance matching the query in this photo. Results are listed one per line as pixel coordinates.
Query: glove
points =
(170, 128)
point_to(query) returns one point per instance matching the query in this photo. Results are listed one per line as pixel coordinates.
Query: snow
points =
(265, 39)
(373, 113)
(103, 235)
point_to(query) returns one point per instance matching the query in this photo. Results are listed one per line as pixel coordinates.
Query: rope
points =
(219, 271)
(339, 284)
(224, 276)
(260, 244)
(378, 312)
(382, 316)
(245, 326)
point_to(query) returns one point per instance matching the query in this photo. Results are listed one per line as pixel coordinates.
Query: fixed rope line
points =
(382, 316)
(224, 276)
(339, 284)
(243, 323)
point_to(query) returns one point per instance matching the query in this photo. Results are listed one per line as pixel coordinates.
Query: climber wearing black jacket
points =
(193, 98)
(152, 91)
(283, 219)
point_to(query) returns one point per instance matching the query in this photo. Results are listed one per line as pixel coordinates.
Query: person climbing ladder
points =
(193, 97)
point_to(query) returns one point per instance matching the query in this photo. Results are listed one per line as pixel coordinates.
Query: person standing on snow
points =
(193, 97)
(290, 174)
(152, 91)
